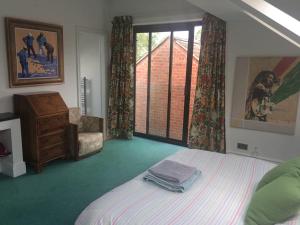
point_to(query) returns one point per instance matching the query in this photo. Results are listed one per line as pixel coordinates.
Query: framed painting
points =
(265, 94)
(34, 52)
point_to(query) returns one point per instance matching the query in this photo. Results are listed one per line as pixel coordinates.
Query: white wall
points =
(84, 13)
(249, 38)
(155, 11)
(245, 38)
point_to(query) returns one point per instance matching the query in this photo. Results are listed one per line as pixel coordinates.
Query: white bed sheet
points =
(219, 196)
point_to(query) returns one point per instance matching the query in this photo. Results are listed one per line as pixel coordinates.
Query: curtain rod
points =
(166, 21)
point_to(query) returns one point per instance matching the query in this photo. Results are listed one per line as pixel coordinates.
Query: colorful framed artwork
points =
(34, 52)
(265, 94)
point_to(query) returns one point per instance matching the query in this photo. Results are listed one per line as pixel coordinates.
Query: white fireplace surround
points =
(10, 135)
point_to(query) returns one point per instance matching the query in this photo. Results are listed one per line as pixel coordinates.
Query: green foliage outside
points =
(197, 35)
(142, 44)
(142, 41)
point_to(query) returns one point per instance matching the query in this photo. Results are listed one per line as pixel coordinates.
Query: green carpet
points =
(64, 188)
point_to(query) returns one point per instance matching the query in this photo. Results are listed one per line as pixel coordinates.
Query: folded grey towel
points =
(170, 186)
(172, 171)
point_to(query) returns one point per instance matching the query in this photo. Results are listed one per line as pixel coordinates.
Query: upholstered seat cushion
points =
(89, 142)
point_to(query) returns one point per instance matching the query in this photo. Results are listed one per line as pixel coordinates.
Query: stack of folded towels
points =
(172, 175)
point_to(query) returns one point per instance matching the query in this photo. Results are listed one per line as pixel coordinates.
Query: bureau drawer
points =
(53, 139)
(52, 153)
(52, 124)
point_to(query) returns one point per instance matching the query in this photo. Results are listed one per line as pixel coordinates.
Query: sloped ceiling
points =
(240, 10)
(224, 9)
(228, 10)
(292, 7)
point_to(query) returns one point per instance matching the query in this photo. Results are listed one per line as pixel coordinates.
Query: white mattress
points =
(219, 196)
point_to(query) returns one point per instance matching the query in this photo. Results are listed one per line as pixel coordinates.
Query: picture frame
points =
(34, 53)
(266, 92)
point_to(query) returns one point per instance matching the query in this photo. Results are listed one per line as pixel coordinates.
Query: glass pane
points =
(142, 42)
(195, 64)
(159, 83)
(180, 48)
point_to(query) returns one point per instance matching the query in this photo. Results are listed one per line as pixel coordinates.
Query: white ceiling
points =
(239, 10)
(227, 10)
(224, 9)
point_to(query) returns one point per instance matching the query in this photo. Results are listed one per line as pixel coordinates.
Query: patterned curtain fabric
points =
(121, 89)
(208, 120)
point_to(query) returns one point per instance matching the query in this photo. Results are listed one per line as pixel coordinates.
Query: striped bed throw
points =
(219, 197)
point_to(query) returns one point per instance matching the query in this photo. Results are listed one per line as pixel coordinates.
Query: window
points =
(166, 69)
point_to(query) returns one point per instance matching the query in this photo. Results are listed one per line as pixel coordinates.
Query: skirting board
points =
(257, 157)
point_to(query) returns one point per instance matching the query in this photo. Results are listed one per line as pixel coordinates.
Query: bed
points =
(219, 196)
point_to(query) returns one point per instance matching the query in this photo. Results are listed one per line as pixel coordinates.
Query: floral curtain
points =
(208, 121)
(121, 80)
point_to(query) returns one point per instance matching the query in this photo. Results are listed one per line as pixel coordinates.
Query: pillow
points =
(276, 172)
(276, 202)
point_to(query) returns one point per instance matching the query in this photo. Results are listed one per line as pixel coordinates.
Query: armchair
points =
(85, 134)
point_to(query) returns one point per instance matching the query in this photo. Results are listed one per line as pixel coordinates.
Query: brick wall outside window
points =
(159, 90)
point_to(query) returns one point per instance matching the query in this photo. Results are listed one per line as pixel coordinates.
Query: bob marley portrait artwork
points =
(268, 90)
(35, 52)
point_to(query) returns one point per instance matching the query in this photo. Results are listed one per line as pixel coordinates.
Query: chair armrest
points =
(92, 124)
(72, 140)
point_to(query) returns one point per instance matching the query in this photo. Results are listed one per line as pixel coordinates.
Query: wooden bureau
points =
(44, 120)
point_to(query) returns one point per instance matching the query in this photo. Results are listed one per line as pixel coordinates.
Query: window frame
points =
(170, 27)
